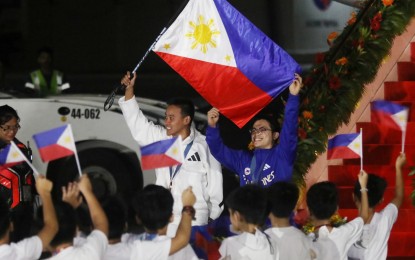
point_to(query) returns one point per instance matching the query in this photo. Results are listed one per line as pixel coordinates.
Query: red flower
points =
(320, 57)
(375, 22)
(334, 83)
(302, 133)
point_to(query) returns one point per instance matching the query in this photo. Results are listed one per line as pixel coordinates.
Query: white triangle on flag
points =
(198, 33)
(401, 118)
(175, 151)
(66, 139)
(356, 145)
(15, 155)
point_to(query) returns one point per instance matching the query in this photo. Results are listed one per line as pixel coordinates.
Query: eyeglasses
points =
(9, 128)
(259, 130)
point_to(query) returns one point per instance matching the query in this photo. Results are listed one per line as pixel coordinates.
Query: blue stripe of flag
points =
(341, 140)
(49, 137)
(4, 154)
(387, 107)
(159, 147)
(261, 60)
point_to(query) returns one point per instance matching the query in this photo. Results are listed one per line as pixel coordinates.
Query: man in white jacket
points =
(200, 170)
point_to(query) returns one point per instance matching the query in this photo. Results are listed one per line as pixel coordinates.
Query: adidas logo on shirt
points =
(194, 158)
(266, 167)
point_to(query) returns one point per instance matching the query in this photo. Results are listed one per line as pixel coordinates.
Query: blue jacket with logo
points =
(272, 165)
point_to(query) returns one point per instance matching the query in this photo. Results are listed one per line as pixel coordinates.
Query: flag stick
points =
(76, 153)
(36, 173)
(110, 100)
(403, 141)
(361, 150)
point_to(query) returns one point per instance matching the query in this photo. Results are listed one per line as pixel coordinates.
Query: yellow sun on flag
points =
(15, 155)
(203, 34)
(175, 151)
(68, 139)
(357, 145)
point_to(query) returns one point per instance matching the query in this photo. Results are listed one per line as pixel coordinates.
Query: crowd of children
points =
(261, 220)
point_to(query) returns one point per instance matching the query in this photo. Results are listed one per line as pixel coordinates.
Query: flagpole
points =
(110, 100)
(76, 153)
(36, 173)
(361, 150)
(403, 141)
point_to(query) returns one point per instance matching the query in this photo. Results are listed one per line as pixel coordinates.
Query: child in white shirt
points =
(29, 248)
(292, 243)
(333, 242)
(373, 243)
(248, 211)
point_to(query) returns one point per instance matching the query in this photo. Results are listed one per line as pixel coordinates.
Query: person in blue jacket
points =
(269, 162)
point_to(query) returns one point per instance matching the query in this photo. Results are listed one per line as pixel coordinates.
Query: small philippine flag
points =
(162, 154)
(345, 146)
(389, 114)
(11, 155)
(55, 143)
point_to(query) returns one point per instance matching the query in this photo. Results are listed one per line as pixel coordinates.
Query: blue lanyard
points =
(256, 174)
(173, 174)
(148, 237)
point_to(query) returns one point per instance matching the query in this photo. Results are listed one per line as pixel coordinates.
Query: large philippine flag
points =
(345, 146)
(389, 114)
(228, 60)
(11, 155)
(162, 154)
(55, 143)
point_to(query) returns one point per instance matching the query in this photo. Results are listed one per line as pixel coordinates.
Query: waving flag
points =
(345, 146)
(229, 61)
(11, 155)
(55, 143)
(389, 114)
(162, 154)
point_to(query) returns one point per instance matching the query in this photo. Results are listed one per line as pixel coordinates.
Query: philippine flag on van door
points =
(162, 154)
(229, 61)
(55, 143)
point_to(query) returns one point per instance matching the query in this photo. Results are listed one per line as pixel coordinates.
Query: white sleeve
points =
(142, 130)
(150, 250)
(223, 250)
(29, 248)
(391, 213)
(214, 185)
(96, 243)
(354, 229)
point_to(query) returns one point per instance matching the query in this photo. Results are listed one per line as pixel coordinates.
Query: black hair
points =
(45, 49)
(322, 199)
(186, 106)
(273, 123)
(376, 188)
(116, 211)
(283, 197)
(251, 203)
(68, 220)
(4, 218)
(153, 207)
(7, 113)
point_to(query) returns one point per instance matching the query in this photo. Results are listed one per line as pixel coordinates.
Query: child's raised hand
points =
(71, 195)
(85, 184)
(213, 117)
(363, 179)
(188, 197)
(296, 85)
(400, 161)
(43, 185)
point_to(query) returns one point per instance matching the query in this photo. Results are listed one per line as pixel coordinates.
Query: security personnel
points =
(46, 81)
(16, 182)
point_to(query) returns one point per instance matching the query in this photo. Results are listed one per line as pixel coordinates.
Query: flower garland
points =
(335, 221)
(336, 82)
